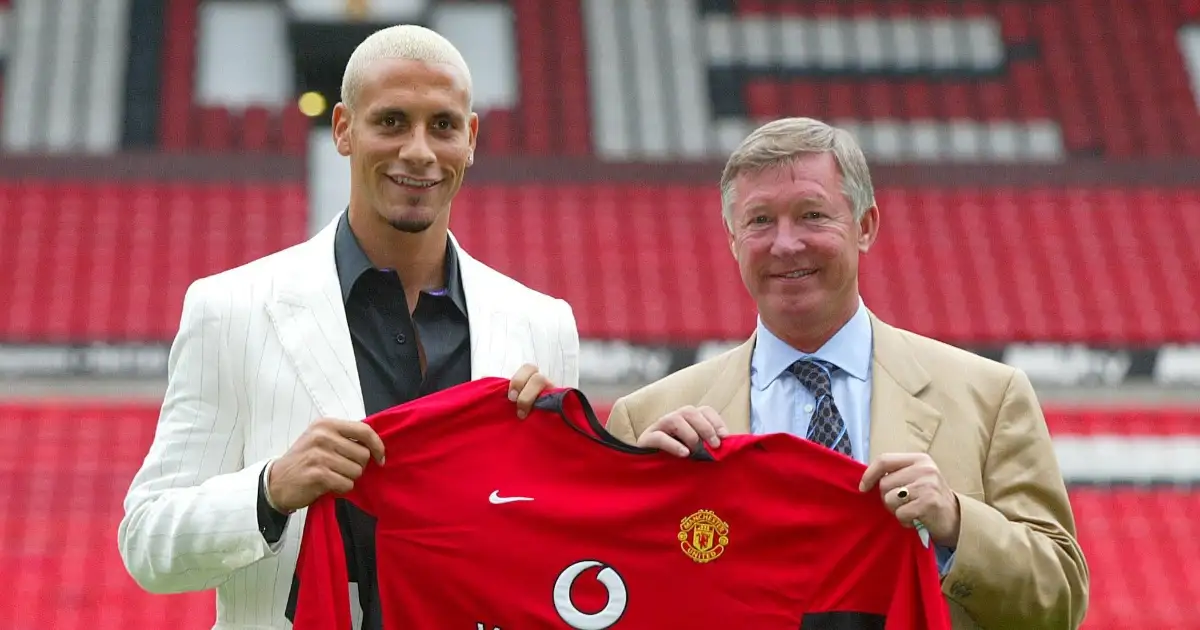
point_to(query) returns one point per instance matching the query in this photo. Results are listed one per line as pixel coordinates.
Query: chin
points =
(409, 219)
(803, 306)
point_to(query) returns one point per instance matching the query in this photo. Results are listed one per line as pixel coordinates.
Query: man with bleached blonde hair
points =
(277, 361)
(957, 445)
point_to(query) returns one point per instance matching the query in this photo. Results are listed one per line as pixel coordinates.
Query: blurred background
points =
(1037, 165)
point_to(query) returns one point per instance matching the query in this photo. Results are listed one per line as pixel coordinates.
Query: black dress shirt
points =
(386, 341)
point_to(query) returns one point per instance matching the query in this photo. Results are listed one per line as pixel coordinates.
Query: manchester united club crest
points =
(703, 536)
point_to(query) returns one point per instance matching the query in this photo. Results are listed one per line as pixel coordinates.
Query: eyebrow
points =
(400, 113)
(814, 199)
(807, 201)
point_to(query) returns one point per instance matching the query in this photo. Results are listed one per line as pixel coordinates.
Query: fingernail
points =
(723, 432)
(512, 395)
(521, 414)
(714, 441)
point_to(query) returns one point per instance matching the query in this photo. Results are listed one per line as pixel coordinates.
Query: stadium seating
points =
(1154, 587)
(554, 118)
(1056, 66)
(63, 473)
(64, 468)
(110, 262)
(1059, 66)
(99, 262)
(1100, 266)
(185, 126)
(178, 74)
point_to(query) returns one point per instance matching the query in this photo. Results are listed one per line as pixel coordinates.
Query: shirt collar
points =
(352, 263)
(849, 349)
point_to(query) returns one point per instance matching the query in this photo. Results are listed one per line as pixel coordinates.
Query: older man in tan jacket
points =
(956, 444)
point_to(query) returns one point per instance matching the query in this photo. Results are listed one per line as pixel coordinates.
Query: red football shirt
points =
(486, 521)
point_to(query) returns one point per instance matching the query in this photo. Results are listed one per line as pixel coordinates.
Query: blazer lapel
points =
(729, 395)
(483, 317)
(900, 421)
(310, 320)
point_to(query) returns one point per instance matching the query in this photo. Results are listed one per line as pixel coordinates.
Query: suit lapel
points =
(310, 320)
(729, 395)
(483, 317)
(900, 420)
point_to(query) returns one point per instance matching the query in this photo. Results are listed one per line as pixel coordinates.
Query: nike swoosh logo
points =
(496, 499)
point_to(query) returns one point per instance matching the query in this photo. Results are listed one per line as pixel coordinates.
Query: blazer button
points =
(400, 338)
(961, 590)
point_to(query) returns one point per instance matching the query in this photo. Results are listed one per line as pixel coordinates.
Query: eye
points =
(389, 121)
(813, 214)
(757, 223)
(444, 125)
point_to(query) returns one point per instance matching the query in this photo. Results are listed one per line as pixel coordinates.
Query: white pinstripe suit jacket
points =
(262, 351)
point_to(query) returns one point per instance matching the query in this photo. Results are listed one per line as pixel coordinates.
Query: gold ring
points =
(903, 494)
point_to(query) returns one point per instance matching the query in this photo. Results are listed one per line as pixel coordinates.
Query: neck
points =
(419, 259)
(809, 336)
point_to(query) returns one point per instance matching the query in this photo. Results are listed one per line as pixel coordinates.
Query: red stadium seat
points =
(68, 472)
(538, 83)
(178, 67)
(497, 133)
(110, 262)
(573, 95)
(257, 130)
(214, 130)
(1156, 587)
(294, 135)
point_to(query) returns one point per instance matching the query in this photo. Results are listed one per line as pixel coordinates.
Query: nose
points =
(789, 238)
(416, 152)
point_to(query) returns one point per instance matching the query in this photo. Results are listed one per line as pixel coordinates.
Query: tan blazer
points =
(1018, 565)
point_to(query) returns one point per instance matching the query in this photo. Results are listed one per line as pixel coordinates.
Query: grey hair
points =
(403, 41)
(780, 141)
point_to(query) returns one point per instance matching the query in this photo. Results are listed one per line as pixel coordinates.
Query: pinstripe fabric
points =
(262, 350)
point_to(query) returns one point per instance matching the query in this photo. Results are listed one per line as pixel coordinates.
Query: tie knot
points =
(814, 375)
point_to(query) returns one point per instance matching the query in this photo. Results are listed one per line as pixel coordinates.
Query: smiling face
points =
(797, 244)
(410, 139)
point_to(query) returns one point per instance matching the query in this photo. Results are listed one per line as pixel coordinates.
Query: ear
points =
(473, 128)
(868, 229)
(341, 128)
(729, 238)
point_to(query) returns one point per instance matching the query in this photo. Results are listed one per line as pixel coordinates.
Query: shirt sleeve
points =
(945, 558)
(271, 522)
(322, 601)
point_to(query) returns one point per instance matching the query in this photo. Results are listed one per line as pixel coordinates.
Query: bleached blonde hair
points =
(781, 141)
(403, 41)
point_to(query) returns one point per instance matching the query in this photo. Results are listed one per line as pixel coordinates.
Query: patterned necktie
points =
(826, 426)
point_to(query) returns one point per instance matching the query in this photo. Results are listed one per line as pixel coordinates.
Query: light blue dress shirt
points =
(780, 404)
